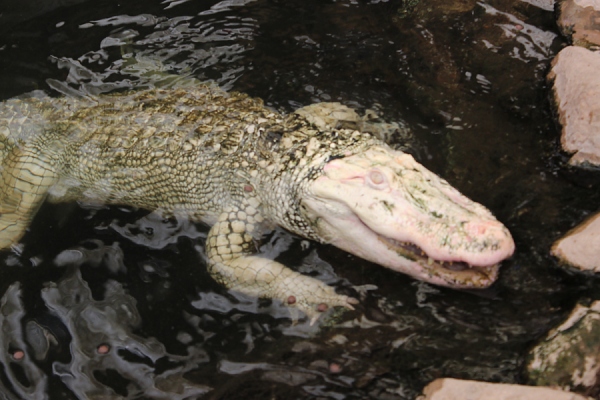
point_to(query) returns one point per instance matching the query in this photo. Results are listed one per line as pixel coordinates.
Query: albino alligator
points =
(225, 159)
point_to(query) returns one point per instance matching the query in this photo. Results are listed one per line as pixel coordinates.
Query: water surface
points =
(112, 301)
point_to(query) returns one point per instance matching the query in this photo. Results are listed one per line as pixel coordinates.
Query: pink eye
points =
(376, 179)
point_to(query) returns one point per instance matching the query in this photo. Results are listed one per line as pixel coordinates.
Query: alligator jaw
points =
(456, 273)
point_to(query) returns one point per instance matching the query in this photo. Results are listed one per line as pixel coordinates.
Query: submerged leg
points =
(24, 182)
(231, 262)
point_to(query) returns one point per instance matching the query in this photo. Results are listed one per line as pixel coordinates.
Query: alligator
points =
(227, 160)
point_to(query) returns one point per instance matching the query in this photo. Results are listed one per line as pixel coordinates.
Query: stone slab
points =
(457, 389)
(569, 356)
(575, 78)
(580, 247)
(579, 21)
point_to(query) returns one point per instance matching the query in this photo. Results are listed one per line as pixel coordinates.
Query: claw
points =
(351, 301)
(314, 319)
(341, 301)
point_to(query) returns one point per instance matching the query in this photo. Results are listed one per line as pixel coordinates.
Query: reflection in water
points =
(535, 43)
(155, 232)
(25, 379)
(106, 357)
(105, 353)
(206, 48)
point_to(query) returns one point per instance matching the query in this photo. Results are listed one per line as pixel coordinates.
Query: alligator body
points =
(225, 159)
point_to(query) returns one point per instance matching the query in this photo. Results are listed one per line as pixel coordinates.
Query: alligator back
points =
(179, 150)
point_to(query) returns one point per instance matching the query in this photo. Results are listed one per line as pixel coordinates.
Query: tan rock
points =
(576, 87)
(456, 389)
(581, 246)
(579, 20)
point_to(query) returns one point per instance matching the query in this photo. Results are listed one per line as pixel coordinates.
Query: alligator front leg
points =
(231, 261)
(24, 182)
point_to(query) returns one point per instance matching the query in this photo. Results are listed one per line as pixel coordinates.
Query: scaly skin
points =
(225, 159)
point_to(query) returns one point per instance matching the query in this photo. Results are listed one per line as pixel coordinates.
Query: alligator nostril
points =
(476, 228)
(489, 229)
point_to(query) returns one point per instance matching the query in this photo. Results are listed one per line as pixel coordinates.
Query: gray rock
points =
(579, 20)
(456, 389)
(569, 356)
(576, 89)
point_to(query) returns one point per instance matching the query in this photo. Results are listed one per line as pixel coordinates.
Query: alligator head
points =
(383, 206)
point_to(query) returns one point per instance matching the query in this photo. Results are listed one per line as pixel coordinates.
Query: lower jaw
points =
(475, 277)
(451, 274)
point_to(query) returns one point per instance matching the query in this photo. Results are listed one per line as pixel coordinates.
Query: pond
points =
(114, 302)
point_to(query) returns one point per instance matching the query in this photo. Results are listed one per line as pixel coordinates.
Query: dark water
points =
(105, 302)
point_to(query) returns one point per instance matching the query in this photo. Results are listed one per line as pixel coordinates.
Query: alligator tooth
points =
(429, 261)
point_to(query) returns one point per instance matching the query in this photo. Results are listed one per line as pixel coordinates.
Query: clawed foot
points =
(315, 303)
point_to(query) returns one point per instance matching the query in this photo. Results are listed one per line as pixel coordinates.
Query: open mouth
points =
(453, 272)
